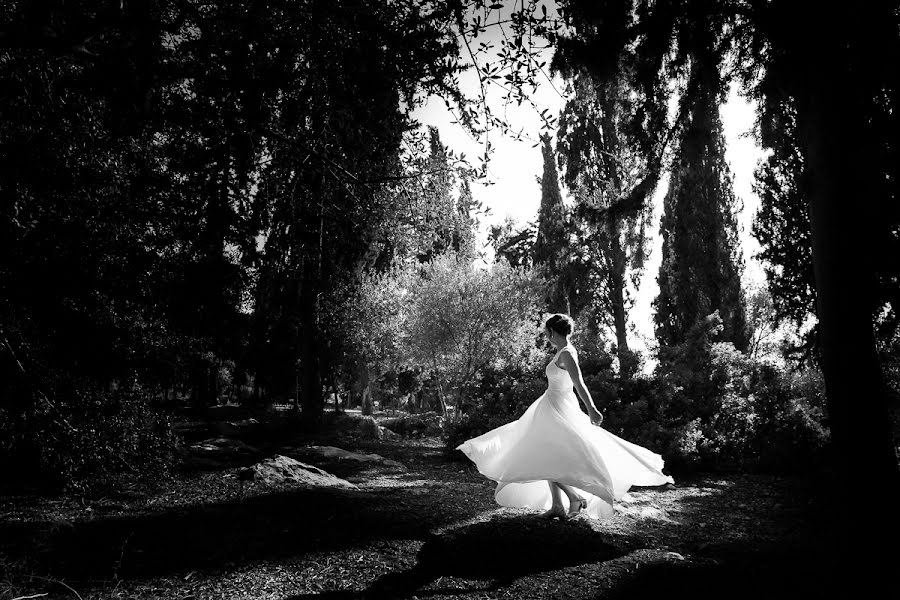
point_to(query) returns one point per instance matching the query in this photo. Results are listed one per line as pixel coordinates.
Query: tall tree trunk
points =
(312, 400)
(367, 405)
(832, 129)
(441, 398)
(842, 264)
(310, 335)
(627, 363)
(617, 275)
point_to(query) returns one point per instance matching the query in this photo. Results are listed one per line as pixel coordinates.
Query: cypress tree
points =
(551, 247)
(701, 266)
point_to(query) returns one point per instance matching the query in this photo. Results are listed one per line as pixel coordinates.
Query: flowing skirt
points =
(554, 440)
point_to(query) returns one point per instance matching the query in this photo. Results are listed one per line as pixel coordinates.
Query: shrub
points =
(84, 437)
(708, 406)
(499, 399)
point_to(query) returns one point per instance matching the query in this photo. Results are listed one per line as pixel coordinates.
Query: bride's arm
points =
(567, 362)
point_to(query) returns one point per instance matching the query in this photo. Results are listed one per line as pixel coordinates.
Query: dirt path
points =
(429, 530)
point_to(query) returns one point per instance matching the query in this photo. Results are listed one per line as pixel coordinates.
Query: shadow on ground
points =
(736, 572)
(496, 552)
(217, 535)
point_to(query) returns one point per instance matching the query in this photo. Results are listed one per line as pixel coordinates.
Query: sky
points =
(515, 165)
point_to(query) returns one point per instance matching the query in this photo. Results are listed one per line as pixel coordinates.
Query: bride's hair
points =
(560, 323)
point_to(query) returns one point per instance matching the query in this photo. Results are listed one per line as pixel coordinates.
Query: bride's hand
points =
(597, 419)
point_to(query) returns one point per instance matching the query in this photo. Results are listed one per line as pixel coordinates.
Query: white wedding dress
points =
(554, 440)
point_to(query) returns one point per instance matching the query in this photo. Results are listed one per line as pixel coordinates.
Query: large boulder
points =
(281, 469)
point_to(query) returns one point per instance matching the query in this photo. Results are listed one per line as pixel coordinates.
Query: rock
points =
(222, 446)
(215, 453)
(368, 429)
(386, 434)
(341, 454)
(280, 469)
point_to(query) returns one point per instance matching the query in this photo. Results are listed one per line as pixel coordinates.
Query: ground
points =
(426, 529)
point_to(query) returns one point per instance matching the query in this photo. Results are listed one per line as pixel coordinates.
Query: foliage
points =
(501, 397)
(441, 320)
(86, 436)
(708, 406)
(711, 406)
(781, 224)
(552, 245)
(462, 320)
(701, 261)
(182, 182)
(761, 323)
(604, 169)
(512, 243)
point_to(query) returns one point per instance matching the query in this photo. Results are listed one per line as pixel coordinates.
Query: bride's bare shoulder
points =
(568, 356)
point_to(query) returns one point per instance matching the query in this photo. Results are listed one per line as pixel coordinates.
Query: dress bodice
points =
(557, 377)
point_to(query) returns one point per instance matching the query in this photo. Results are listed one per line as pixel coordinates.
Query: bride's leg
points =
(576, 502)
(556, 506)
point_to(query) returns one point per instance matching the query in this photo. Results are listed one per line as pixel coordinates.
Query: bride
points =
(554, 449)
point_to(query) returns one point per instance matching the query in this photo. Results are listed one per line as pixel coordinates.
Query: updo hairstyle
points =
(560, 323)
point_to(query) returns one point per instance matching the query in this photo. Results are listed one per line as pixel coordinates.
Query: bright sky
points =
(515, 165)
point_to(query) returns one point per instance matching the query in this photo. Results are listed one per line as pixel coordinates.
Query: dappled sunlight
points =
(398, 480)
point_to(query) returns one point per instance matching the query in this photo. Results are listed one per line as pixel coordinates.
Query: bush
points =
(640, 411)
(84, 438)
(499, 399)
(708, 406)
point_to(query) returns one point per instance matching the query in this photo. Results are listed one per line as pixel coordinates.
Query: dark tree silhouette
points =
(701, 263)
(602, 165)
(833, 64)
(551, 246)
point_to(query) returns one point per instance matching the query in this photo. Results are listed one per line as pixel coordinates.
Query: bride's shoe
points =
(555, 512)
(576, 507)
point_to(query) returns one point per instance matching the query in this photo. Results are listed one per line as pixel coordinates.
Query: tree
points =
(701, 264)
(368, 318)
(761, 324)
(844, 101)
(511, 243)
(461, 319)
(222, 166)
(601, 165)
(845, 98)
(334, 145)
(551, 245)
